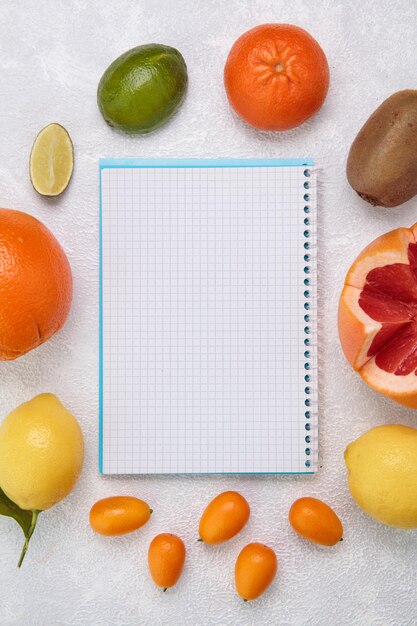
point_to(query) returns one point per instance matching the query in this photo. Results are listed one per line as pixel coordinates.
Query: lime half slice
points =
(51, 160)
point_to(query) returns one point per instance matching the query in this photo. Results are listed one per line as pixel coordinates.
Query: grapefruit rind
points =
(385, 250)
(402, 389)
(357, 330)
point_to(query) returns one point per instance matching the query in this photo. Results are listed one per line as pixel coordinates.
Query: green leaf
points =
(10, 509)
(25, 519)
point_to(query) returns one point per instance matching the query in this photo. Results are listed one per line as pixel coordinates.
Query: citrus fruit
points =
(41, 453)
(224, 517)
(378, 315)
(255, 569)
(382, 466)
(118, 515)
(35, 284)
(51, 160)
(142, 88)
(314, 520)
(166, 556)
(41, 456)
(276, 76)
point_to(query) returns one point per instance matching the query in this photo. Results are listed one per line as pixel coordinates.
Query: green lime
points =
(142, 88)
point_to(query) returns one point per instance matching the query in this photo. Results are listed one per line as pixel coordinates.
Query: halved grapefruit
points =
(378, 315)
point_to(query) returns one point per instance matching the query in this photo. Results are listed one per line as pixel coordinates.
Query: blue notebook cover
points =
(208, 339)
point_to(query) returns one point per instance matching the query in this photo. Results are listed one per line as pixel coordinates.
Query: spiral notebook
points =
(208, 341)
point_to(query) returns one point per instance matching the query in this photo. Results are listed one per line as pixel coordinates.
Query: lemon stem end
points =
(29, 535)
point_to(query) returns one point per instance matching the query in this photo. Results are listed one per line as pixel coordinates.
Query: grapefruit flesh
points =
(378, 315)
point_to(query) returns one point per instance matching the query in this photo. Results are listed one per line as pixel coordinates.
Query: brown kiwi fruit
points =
(382, 162)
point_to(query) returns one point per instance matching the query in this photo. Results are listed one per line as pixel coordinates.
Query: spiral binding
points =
(310, 319)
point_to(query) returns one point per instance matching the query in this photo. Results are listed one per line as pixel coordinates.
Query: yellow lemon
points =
(382, 466)
(41, 453)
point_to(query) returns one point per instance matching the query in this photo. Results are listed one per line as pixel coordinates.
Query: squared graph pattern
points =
(203, 319)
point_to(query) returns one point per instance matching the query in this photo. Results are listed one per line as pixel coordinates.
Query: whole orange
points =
(35, 284)
(276, 76)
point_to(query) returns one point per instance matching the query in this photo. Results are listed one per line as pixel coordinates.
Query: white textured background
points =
(52, 55)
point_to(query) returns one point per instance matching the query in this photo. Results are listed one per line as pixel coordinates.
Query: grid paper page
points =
(203, 320)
